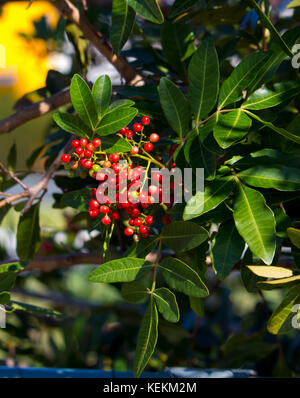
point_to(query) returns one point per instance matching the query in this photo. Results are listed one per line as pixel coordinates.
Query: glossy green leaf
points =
(281, 320)
(203, 74)
(267, 98)
(149, 9)
(123, 19)
(142, 248)
(197, 305)
(7, 280)
(166, 304)
(120, 270)
(227, 249)
(113, 121)
(101, 93)
(175, 106)
(279, 283)
(28, 233)
(115, 144)
(283, 178)
(134, 292)
(294, 235)
(255, 222)
(201, 157)
(183, 235)
(72, 124)
(83, 101)
(214, 194)
(147, 339)
(123, 103)
(33, 309)
(181, 277)
(231, 127)
(77, 199)
(241, 77)
(181, 5)
(270, 271)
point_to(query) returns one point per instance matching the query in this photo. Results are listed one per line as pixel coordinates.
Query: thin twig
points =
(13, 176)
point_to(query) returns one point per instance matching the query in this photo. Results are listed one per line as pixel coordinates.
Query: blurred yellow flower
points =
(26, 59)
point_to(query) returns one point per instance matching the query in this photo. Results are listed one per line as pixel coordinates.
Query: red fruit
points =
(65, 158)
(94, 203)
(104, 209)
(90, 147)
(88, 164)
(138, 222)
(157, 177)
(116, 168)
(149, 220)
(146, 120)
(93, 192)
(115, 215)
(134, 150)
(137, 127)
(94, 213)
(148, 147)
(114, 157)
(129, 134)
(106, 220)
(82, 162)
(166, 220)
(151, 200)
(145, 235)
(83, 142)
(75, 143)
(173, 165)
(106, 164)
(131, 222)
(128, 231)
(101, 176)
(123, 130)
(96, 142)
(79, 150)
(135, 213)
(87, 153)
(143, 229)
(154, 137)
(152, 189)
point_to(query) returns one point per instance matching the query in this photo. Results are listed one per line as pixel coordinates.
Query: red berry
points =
(90, 147)
(94, 203)
(106, 220)
(123, 130)
(83, 142)
(145, 235)
(138, 222)
(128, 231)
(116, 168)
(143, 229)
(134, 150)
(114, 157)
(157, 177)
(129, 134)
(137, 127)
(149, 220)
(94, 213)
(115, 215)
(106, 164)
(145, 120)
(75, 143)
(101, 176)
(79, 150)
(65, 158)
(104, 209)
(96, 142)
(148, 147)
(87, 153)
(131, 222)
(93, 192)
(82, 162)
(152, 189)
(135, 213)
(166, 219)
(88, 164)
(154, 137)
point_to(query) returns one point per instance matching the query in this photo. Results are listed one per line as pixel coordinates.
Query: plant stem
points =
(156, 266)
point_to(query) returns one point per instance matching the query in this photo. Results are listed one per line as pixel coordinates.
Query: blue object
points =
(16, 372)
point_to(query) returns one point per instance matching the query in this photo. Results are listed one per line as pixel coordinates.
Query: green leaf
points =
(183, 235)
(101, 93)
(175, 106)
(142, 248)
(181, 277)
(268, 24)
(120, 270)
(255, 222)
(231, 127)
(7, 280)
(283, 178)
(12, 157)
(113, 121)
(197, 305)
(282, 317)
(72, 124)
(293, 4)
(294, 235)
(166, 304)
(279, 283)
(115, 144)
(214, 194)
(123, 18)
(123, 103)
(270, 271)
(203, 74)
(227, 249)
(266, 98)
(134, 292)
(242, 76)
(28, 233)
(13, 267)
(77, 199)
(181, 5)
(147, 339)
(4, 298)
(33, 309)
(149, 9)
(83, 101)
(201, 157)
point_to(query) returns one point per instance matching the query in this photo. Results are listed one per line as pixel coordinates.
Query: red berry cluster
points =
(88, 155)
